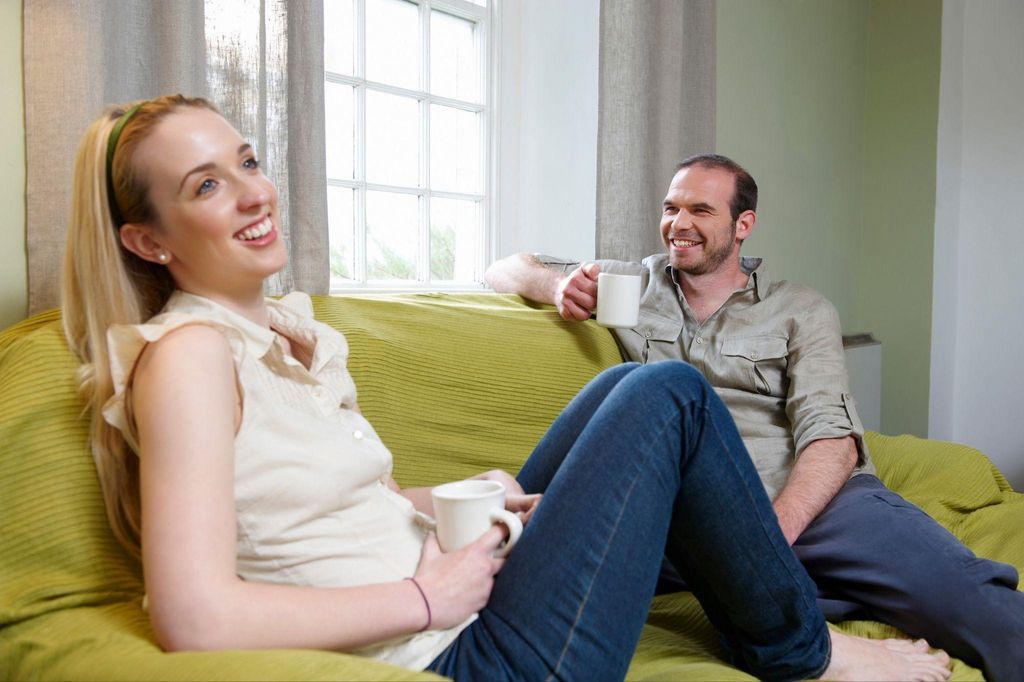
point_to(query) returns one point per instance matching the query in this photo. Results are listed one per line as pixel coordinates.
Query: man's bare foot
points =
(856, 658)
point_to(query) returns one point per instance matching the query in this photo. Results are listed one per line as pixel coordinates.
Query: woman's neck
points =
(251, 305)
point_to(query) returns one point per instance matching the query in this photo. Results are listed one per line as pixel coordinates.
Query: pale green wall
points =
(790, 83)
(901, 124)
(832, 106)
(13, 278)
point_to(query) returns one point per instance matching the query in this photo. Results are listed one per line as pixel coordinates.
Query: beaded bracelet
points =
(430, 618)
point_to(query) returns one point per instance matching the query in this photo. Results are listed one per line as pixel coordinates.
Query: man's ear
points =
(138, 238)
(745, 224)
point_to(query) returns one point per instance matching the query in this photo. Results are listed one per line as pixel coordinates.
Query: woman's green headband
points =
(115, 135)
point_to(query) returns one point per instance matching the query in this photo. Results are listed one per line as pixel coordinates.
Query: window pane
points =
(454, 149)
(392, 139)
(338, 31)
(392, 231)
(341, 234)
(340, 130)
(393, 43)
(454, 59)
(454, 228)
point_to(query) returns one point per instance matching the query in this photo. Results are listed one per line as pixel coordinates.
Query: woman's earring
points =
(162, 257)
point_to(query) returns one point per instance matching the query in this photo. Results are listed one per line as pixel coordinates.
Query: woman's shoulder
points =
(171, 339)
(126, 342)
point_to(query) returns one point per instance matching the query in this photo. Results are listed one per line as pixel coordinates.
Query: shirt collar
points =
(759, 280)
(758, 273)
(258, 340)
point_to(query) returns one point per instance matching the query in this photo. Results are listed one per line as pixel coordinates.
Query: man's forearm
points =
(523, 274)
(820, 471)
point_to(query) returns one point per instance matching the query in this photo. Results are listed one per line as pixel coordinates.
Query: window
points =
(408, 129)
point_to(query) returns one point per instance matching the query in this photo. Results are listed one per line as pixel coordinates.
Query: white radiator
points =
(864, 365)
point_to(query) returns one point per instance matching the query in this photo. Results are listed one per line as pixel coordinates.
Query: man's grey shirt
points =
(773, 352)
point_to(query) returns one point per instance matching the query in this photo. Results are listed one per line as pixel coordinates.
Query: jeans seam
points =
(586, 597)
(808, 603)
(637, 467)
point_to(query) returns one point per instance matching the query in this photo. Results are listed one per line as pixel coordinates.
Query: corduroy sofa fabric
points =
(454, 384)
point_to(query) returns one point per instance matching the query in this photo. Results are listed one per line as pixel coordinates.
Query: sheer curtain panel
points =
(259, 61)
(656, 105)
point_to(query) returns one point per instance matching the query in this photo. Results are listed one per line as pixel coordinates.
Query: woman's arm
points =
(185, 402)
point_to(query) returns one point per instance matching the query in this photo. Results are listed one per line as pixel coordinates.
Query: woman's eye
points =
(251, 163)
(206, 186)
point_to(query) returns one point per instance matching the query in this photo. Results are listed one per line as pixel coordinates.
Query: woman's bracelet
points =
(430, 618)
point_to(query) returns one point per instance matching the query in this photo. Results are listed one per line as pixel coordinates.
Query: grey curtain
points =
(656, 105)
(260, 61)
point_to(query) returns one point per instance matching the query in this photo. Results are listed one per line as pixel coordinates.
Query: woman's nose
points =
(254, 192)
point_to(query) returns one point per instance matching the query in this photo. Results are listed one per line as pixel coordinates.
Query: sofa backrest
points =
(454, 384)
(458, 382)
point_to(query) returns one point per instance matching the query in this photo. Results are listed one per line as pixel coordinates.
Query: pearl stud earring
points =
(162, 257)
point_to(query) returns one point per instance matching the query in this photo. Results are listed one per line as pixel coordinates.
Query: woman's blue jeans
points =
(645, 462)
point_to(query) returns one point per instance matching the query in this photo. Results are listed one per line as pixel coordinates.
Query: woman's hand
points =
(458, 584)
(516, 500)
(523, 505)
(512, 486)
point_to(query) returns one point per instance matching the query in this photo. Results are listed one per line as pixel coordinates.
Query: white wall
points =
(548, 127)
(978, 305)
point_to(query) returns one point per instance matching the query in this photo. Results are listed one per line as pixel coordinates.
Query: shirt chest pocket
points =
(654, 338)
(756, 363)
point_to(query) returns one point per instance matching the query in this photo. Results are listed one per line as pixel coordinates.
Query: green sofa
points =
(454, 383)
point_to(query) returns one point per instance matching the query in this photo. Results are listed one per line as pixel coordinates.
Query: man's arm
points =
(817, 476)
(526, 275)
(826, 432)
(574, 294)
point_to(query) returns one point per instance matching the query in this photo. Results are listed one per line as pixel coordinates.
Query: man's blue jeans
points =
(644, 462)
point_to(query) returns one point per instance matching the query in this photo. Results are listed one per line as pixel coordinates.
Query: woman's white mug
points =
(465, 510)
(618, 300)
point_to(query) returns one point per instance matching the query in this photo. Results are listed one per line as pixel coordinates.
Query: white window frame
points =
(487, 19)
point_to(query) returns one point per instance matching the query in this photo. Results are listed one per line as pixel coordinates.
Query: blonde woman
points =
(236, 465)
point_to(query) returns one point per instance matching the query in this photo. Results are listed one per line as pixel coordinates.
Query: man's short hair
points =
(744, 197)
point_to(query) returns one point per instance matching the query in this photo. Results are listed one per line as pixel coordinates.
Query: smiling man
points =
(773, 351)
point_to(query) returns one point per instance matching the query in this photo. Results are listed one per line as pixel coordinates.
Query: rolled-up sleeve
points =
(615, 267)
(819, 403)
(556, 263)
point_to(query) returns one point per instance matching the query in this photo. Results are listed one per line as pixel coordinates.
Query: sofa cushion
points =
(56, 549)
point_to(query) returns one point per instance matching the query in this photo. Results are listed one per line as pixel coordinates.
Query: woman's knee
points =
(669, 382)
(673, 374)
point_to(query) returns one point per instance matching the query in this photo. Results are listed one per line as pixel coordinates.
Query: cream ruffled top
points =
(311, 502)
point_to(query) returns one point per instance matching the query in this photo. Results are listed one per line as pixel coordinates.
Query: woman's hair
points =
(103, 283)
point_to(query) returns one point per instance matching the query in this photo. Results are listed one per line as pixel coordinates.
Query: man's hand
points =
(576, 294)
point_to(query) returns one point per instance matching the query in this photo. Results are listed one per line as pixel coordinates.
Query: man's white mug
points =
(465, 510)
(618, 300)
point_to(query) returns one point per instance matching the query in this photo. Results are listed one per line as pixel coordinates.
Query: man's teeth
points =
(261, 230)
(684, 243)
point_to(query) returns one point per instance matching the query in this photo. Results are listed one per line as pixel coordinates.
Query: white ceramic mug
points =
(465, 510)
(618, 300)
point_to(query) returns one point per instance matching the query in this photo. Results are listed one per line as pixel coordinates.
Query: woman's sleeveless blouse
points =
(311, 502)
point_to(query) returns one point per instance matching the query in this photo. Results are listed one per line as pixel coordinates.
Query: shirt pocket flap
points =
(658, 328)
(756, 348)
